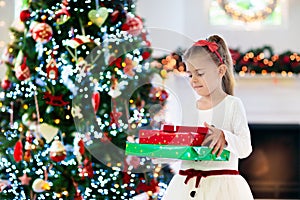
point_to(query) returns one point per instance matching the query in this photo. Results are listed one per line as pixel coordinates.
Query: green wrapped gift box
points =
(176, 152)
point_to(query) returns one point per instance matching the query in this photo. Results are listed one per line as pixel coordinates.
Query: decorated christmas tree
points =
(77, 88)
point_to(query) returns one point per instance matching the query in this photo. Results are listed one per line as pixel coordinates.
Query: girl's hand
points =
(216, 139)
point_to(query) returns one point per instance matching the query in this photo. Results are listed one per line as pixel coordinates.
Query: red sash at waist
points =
(190, 173)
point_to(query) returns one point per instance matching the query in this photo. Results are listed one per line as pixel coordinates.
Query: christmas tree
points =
(77, 88)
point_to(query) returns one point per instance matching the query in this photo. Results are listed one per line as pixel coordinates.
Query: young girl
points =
(210, 69)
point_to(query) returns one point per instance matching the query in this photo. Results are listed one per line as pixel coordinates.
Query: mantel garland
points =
(254, 61)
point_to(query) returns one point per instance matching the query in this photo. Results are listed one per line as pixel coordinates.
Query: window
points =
(238, 11)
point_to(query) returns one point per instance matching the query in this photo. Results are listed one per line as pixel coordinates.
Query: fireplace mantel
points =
(267, 99)
(270, 100)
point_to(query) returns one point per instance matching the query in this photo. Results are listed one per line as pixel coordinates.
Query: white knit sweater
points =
(229, 115)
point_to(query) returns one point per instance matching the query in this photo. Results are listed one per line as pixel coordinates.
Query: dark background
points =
(273, 168)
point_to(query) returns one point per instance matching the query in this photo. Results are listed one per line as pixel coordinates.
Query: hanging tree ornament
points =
(133, 24)
(119, 14)
(25, 180)
(74, 43)
(96, 100)
(62, 16)
(22, 71)
(114, 114)
(48, 131)
(5, 83)
(24, 15)
(4, 184)
(41, 32)
(54, 100)
(77, 41)
(114, 91)
(86, 169)
(52, 69)
(128, 65)
(57, 151)
(98, 16)
(28, 146)
(18, 151)
(39, 185)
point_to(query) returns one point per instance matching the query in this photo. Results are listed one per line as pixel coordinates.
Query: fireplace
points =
(273, 169)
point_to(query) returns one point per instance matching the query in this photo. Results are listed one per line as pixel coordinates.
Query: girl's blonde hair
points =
(228, 79)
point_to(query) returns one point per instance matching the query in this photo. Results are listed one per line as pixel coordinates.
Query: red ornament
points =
(144, 37)
(144, 187)
(42, 32)
(5, 84)
(96, 101)
(115, 16)
(18, 151)
(87, 169)
(57, 151)
(114, 117)
(286, 59)
(81, 147)
(22, 71)
(24, 15)
(163, 95)
(52, 70)
(133, 25)
(27, 155)
(115, 62)
(235, 54)
(54, 100)
(62, 16)
(105, 138)
(146, 55)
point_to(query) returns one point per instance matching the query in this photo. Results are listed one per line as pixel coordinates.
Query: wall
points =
(174, 24)
(267, 100)
(190, 18)
(6, 15)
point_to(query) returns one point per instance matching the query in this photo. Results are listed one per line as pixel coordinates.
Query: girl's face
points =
(205, 75)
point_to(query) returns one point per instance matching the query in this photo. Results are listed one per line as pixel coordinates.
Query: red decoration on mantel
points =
(54, 100)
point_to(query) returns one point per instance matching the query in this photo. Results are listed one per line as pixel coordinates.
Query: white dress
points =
(229, 115)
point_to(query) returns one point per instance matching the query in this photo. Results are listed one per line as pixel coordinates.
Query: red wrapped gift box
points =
(174, 128)
(167, 138)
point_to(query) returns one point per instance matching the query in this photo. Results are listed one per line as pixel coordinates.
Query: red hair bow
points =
(212, 46)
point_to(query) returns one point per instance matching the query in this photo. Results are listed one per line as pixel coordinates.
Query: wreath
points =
(245, 11)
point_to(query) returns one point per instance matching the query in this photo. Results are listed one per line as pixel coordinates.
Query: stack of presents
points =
(176, 142)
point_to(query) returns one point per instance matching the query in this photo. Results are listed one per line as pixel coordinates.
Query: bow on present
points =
(212, 46)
